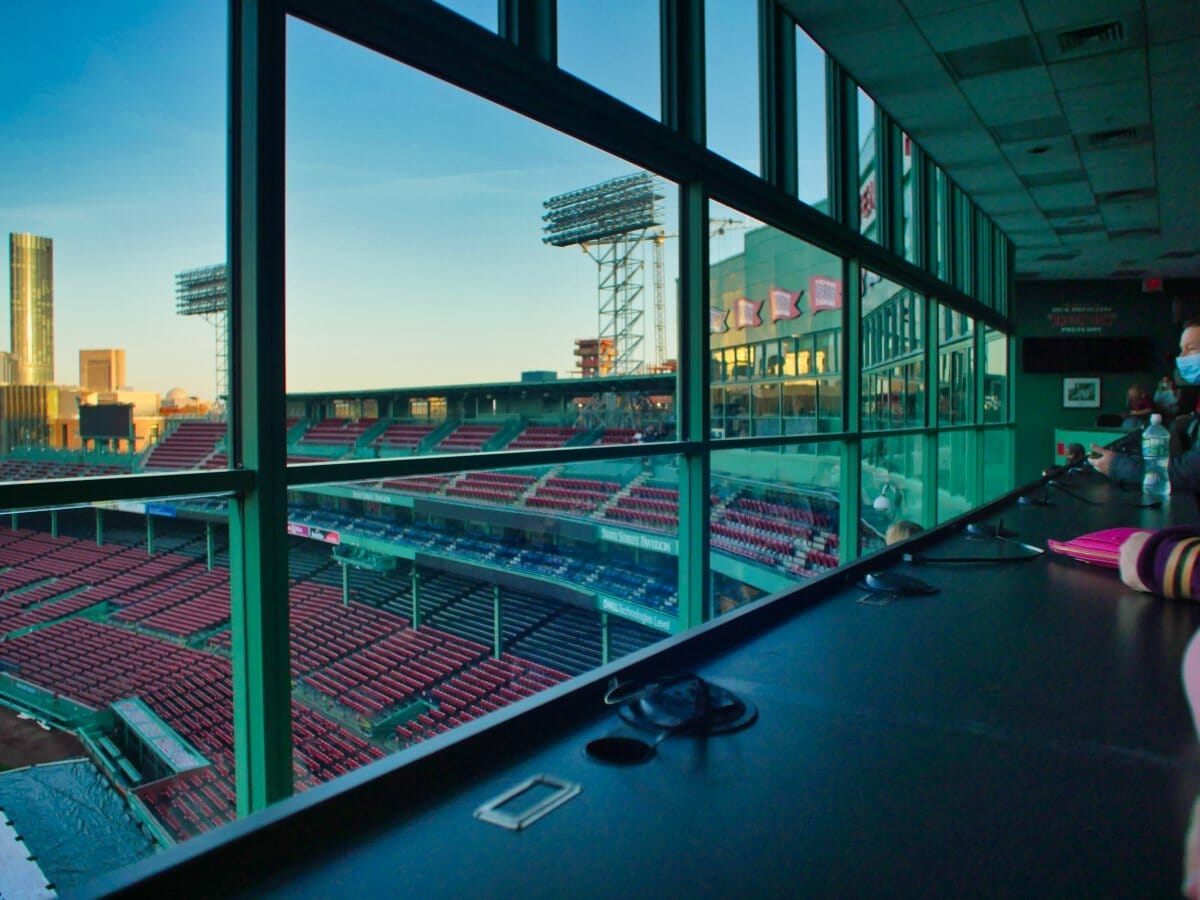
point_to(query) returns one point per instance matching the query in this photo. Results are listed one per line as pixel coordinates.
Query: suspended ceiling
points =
(1075, 124)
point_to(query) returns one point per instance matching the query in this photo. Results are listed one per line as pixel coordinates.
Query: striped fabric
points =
(1169, 563)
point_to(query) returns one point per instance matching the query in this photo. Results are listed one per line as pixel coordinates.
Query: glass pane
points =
(731, 80)
(868, 183)
(997, 463)
(956, 472)
(438, 300)
(908, 237)
(995, 378)
(105, 143)
(481, 12)
(109, 629)
(892, 492)
(421, 603)
(628, 65)
(956, 368)
(775, 519)
(893, 340)
(775, 318)
(812, 175)
(964, 241)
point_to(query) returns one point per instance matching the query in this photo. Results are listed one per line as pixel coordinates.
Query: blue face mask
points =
(1189, 368)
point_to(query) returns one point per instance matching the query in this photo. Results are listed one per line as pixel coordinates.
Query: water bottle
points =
(1155, 439)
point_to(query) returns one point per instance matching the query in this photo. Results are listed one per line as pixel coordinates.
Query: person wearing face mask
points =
(1184, 463)
(1166, 398)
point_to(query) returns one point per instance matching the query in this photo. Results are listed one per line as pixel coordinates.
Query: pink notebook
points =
(1100, 548)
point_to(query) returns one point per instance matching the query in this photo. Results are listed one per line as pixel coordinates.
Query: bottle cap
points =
(1156, 418)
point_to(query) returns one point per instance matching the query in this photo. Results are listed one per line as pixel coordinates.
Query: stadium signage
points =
(638, 614)
(312, 532)
(641, 541)
(161, 509)
(373, 496)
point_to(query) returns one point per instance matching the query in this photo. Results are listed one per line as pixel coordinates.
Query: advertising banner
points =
(824, 293)
(784, 304)
(745, 312)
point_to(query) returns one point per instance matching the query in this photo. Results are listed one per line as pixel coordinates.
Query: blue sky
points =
(414, 209)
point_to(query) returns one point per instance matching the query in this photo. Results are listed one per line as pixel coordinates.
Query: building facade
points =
(101, 370)
(31, 271)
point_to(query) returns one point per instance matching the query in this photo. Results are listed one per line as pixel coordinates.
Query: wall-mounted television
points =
(1088, 355)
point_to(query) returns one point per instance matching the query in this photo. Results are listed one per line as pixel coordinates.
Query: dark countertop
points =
(1023, 732)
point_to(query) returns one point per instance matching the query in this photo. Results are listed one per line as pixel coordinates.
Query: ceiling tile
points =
(1057, 196)
(1134, 165)
(998, 203)
(1059, 157)
(1006, 86)
(919, 8)
(977, 179)
(1099, 70)
(1033, 131)
(1171, 22)
(1020, 109)
(1010, 222)
(961, 28)
(1124, 95)
(822, 18)
(1061, 14)
(913, 107)
(1138, 214)
(1177, 56)
(912, 74)
(879, 45)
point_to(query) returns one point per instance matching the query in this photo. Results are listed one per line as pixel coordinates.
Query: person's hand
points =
(1127, 557)
(1191, 855)
(1102, 462)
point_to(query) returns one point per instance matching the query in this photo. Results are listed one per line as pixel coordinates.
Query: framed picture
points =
(1081, 393)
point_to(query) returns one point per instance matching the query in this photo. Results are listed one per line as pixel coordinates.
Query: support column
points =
(208, 545)
(497, 624)
(149, 535)
(54, 523)
(345, 585)
(99, 526)
(416, 599)
(604, 638)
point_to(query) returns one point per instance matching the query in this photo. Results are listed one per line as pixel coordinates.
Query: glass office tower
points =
(31, 271)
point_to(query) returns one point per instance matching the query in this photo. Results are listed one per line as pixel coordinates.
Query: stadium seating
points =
(187, 447)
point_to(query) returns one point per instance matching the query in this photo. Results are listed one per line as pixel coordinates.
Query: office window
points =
(628, 67)
(956, 471)
(869, 192)
(956, 368)
(420, 603)
(465, 259)
(775, 519)
(997, 463)
(775, 309)
(731, 56)
(892, 486)
(996, 384)
(941, 224)
(892, 341)
(114, 180)
(812, 173)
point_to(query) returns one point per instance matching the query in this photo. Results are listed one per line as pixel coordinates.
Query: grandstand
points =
(417, 604)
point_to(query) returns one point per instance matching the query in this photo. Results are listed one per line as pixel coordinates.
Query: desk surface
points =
(1023, 732)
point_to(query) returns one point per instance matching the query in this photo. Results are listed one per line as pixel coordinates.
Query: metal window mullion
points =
(850, 483)
(681, 33)
(929, 475)
(694, 411)
(889, 172)
(777, 96)
(841, 129)
(258, 517)
(532, 25)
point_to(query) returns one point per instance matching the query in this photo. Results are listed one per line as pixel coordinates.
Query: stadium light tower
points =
(609, 222)
(205, 292)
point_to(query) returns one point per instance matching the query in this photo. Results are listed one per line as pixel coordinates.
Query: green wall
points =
(1038, 398)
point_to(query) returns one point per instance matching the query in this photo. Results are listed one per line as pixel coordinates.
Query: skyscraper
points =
(31, 272)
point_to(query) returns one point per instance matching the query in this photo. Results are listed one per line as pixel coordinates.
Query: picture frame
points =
(1081, 393)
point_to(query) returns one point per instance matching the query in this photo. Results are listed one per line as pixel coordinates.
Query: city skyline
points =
(413, 208)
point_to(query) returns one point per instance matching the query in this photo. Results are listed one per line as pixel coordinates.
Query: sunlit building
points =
(102, 370)
(31, 273)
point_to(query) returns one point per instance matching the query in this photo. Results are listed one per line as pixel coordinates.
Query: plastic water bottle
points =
(1155, 439)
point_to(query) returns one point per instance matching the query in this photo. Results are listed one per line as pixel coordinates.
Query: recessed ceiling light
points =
(1039, 149)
